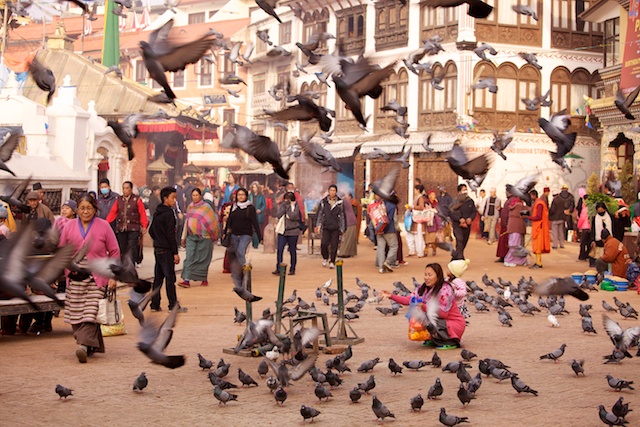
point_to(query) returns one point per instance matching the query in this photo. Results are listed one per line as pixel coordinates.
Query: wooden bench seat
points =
(20, 306)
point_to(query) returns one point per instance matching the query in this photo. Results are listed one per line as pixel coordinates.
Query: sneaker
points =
(325, 262)
(292, 272)
(204, 283)
(509, 264)
(81, 354)
(403, 262)
(332, 265)
(535, 267)
(382, 271)
(276, 272)
(36, 328)
(387, 267)
(499, 260)
(184, 284)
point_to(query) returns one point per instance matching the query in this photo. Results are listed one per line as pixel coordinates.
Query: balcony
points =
(264, 101)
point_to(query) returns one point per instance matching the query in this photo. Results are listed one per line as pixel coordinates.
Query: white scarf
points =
(601, 222)
(241, 205)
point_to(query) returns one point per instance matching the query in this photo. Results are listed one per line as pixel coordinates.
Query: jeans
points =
(241, 242)
(129, 243)
(462, 237)
(292, 242)
(557, 233)
(164, 270)
(385, 239)
(329, 238)
(490, 227)
(585, 244)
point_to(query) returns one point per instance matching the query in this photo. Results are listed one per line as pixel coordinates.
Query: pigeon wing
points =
(300, 369)
(189, 53)
(631, 97)
(9, 146)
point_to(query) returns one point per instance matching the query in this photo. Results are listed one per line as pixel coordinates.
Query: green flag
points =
(111, 37)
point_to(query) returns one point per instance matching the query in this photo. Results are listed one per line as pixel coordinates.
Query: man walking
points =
(491, 213)
(131, 222)
(480, 205)
(387, 237)
(561, 206)
(539, 228)
(463, 211)
(106, 198)
(165, 248)
(332, 222)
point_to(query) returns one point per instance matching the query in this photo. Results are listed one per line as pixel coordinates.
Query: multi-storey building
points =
(567, 47)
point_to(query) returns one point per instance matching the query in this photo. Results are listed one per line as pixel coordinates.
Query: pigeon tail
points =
(174, 362)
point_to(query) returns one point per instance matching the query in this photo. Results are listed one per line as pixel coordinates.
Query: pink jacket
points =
(460, 288)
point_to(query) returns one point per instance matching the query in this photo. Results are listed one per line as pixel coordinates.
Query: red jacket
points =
(126, 218)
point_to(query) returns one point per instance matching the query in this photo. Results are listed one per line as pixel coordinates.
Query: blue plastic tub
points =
(577, 278)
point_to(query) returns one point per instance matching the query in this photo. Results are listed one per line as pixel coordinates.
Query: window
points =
(228, 118)
(345, 123)
(391, 25)
(141, 72)
(206, 76)
(259, 85)
(624, 153)
(284, 73)
(505, 24)
(261, 47)
(285, 33)
(280, 138)
(321, 90)
(228, 67)
(568, 30)
(351, 28)
(196, 18)
(178, 79)
(436, 107)
(444, 20)
(611, 42)
(316, 22)
(393, 87)
(569, 89)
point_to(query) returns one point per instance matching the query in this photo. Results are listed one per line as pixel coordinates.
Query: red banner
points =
(630, 74)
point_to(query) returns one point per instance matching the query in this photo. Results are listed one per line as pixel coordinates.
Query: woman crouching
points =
(449, 324)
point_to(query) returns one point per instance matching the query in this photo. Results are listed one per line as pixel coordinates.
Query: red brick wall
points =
(140, 161)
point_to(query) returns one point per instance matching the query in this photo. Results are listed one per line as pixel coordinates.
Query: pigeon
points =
(368, 365)
(477, 9)
(435, 362)
(467, 355)
(464, 395)
(481, 51)
(505, 319)
(121, 270)
(555, 354)
(63, 391)
(555, 128)
(425, 144)
(394, 367)
(138, 302)
(607, 307)
(219, 382)
(553, 320)
(620, 409)
(223, 396)
(322, 392)
(154, 340)
(520, 386)
(465, 168)
(621, 338)
(280, 395)
(462, 374)
(624, 103)
(526, 10)
(501, 142)
(273, 384)
(618, 384)
(416, 403)
(488, 83)
(260, 147)
(435, 390)
(368, 385)
(204, 363)
(43, 78)
(246, 379)
(126, 131)
(499, 373)
(393, 105)
(355, 394)
(385, 187)
(306, 110)
(451, 420)
(264, 36)
(475, 383)
(610, 419)
(318, 154)
(141, 382)
(222, 370)
(521, 188)
(308, 412)
(269, 7)
(239, 316)
(414, 364)
(578, 366)
(114, 69)
(561, 286)
(587, 325)
(380, 410)
(286, 375)
(231, 79)
(531, 59)
(624, 312)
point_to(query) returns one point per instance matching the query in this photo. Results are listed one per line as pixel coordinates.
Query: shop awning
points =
(189, 130)
(440, 142)
(159, 165)
(258, 171)
(342, 150)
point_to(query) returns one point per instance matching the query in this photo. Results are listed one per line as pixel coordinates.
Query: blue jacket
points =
(391, 214)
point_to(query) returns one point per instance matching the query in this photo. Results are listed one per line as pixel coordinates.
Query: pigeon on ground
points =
(63, 391)
(520, 386)
(263, 368)
(587, 325)
(451, 420)
(620, 409)
(246, 379)
(467, 355)
(552, 319)
(477, 9)
(368, 365)
(223, 396)
(322, 392)
(239, 316)
(499, 373)
(219, 382)
(204, 363)
(435, 390)
(308, 412)
(578, 366)
(624, 103)
(286, 375)
(368, 385)
(141, 382)
(272, 383)
(555, 354)
(355, 394)
(416, 403)
(618, 384)
(280, 395)
(154, 340)
(610, 419)
(462, 374)
(608, 307)
(380, 410)
(394, 367)
(435, 362)
(475, 383)
(414, 364)
(464, 395)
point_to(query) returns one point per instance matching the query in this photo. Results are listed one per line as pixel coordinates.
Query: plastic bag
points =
(417, 320)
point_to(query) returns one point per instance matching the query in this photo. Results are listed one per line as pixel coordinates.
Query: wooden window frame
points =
(578, 33)
(428, 116)
(316, 22)
(391, 25)
(196, 18)
(611, 43)
(203, 75)
(526, 32)
(430, 27)
(351, 28)
(284, 33)
(176, 83)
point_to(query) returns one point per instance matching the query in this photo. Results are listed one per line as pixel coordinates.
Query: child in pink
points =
(456, 269)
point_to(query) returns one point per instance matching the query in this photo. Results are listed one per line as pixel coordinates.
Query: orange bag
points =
(417, 331)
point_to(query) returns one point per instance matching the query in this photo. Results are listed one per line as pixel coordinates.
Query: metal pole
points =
(249, 305)
(341, 333)
(279, 301)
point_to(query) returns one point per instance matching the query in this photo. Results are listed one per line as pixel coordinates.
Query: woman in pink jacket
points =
(450, 324)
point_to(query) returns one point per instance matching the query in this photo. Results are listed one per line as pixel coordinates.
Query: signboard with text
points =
(630, 74)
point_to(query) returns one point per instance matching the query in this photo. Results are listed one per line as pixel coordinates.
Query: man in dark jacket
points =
(332, 221)
(463, 211)
(388, 237)
(165, 247)
(106, 198)
(562, 206)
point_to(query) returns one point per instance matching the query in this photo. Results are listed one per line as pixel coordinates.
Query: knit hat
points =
(582, 192)
(3, 212)
(564, 187)
(33, 195)
(72, 204)
(458, 266)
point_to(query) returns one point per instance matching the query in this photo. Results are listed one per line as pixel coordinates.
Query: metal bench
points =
(20, 306)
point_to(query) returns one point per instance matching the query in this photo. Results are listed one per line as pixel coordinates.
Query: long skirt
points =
(515, 241)
(198, 258)
(503, 243)
(349, 245)
(81, 309)
(89, 335)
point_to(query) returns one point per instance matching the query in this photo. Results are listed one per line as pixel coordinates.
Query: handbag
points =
(226, 240)
(379, 218)
(109, 310)
(280, 227)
